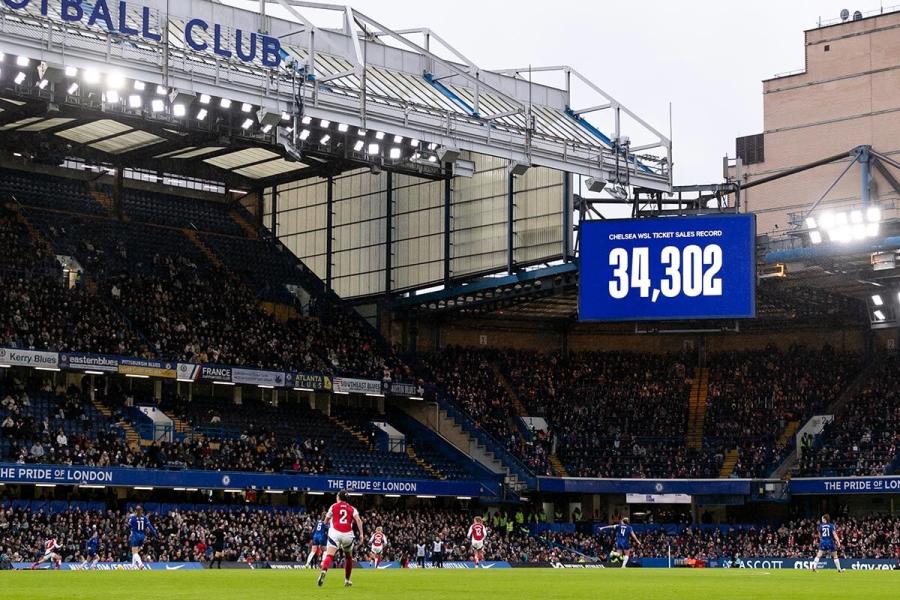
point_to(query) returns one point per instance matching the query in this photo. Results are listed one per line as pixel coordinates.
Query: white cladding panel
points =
(418, 234)
(360, 231)
(538, 215)
(479, 217)
(302, 220)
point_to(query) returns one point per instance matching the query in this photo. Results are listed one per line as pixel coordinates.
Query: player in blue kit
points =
(829, 541)
(624, 536)
(140, 526)
(318, 543)
(91, 551)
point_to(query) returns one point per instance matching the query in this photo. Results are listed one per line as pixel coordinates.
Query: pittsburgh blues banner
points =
(211, 480)
(845, 485)
(147, 367)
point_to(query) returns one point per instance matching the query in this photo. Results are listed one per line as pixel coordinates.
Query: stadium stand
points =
(865, 438)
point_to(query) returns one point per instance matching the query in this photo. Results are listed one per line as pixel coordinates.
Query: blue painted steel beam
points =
(450, 94)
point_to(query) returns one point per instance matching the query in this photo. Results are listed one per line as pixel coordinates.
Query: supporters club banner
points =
(309, 381)
(845, 485)
(400, 388)
(711, 487)
(128, 477)
(147, 368)
(195, 372)
(88, 362)
(29, 358)
(257, 377)
(346, 385)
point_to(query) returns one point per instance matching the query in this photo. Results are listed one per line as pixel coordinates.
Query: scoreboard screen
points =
(663, 268)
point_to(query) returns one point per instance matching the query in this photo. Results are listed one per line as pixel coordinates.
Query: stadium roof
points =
(409, 83)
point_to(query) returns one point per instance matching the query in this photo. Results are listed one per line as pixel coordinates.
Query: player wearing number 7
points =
(340, 518)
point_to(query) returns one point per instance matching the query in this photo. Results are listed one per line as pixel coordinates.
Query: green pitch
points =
(506, 584)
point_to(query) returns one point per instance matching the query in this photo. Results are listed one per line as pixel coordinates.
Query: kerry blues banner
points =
(125, 477)
(28, 358)
(711, 487)
(845, 485)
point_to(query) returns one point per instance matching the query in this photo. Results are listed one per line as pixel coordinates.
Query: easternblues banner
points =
(845, 485)
(127, 477)
(712, 487)
(88, 362)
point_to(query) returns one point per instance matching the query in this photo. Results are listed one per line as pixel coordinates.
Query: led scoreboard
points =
(663, 268)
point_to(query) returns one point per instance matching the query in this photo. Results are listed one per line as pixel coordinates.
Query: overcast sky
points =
(706, 57)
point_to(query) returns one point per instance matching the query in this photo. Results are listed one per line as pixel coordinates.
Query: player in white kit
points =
(477, 536)
(379, 542)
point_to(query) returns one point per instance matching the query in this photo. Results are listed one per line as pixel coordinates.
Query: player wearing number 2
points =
(341, 517)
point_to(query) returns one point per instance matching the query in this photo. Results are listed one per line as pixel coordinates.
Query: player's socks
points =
(815, 564)
(348, 568)
(625, 561)
(837, 563)
(309, 558)
(326, 564)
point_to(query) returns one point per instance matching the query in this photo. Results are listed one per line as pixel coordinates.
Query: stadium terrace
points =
(244, 46)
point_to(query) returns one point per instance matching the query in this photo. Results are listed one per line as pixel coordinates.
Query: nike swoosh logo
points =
(489, 566)
(168, 568)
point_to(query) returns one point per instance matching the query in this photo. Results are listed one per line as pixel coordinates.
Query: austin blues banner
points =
(126, 477)
(403, 388)
(711, 487)
(28, 358)
(845, 485)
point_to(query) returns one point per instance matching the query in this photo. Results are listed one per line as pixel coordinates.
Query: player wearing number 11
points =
(340, 518)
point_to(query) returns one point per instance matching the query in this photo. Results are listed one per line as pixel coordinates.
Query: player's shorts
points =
(477, 544)
(218, 548)
(623, 546)
(319, 541)
(136, 540)
(339, 539)
(377, 549)
(49, 553)
(826, 546)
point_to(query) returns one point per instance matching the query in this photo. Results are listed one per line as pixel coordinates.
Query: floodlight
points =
(225, 103)
(448, 154)
(873, 214)
(306, 120)
(161, 90)
(246, 107)
(112, 97)
(810, 222)
(877, 300)
(157, 105)
(134, 101)
(361, 132)
(394, 153)
(343, 127)
(517, 169)
(42, 84)
(398, 139)
(325, 139)
(325, 123)
(22, 61)
(266, 128)
(71, 72)
(20, 77)
(205, 98)
(379, 135)
(115, 81)
(414, 143)
(178, 110)
(374, 148)
(247, 124)
(285, 116)
(358, 146)
(139, 86)
(201, 114)
(72, 88)
(815, 237)
(879, 315)
(304, 134)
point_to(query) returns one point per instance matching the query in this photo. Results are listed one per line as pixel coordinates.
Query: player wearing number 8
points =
(341, 517)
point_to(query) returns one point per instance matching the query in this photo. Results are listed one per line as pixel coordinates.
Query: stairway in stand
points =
(182, 428)
(731, 458)
(411, 453)
(131, 436)
(207, 252)
(697, 408)
(251, 231)
(105, 201)
(521, 411)
(357, 434)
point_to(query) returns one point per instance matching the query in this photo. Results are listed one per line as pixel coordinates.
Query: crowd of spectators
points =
(468, 378)
(260, 534)
(865, 438)
(753, 395)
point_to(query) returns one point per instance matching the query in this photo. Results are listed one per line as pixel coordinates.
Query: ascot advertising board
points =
(112, 16)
